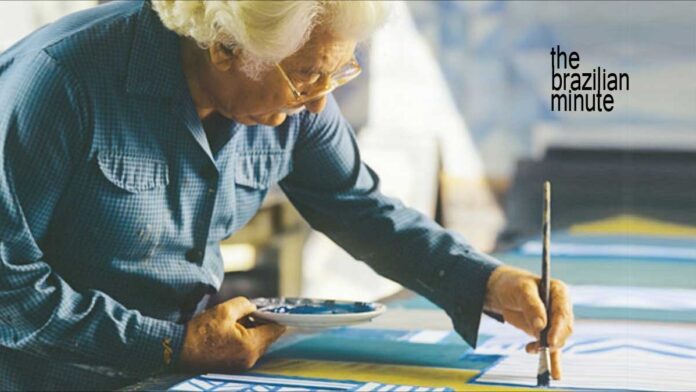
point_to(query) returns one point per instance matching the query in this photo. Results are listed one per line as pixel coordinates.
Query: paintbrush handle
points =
(544, 289)
(544, 371)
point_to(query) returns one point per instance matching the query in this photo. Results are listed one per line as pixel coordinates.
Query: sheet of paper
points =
(603, 355)
(610, 367)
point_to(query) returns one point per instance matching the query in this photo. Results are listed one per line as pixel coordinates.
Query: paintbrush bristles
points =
(544, 371)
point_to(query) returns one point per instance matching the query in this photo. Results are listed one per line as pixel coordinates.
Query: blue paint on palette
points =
(323, 308)
(310, 306)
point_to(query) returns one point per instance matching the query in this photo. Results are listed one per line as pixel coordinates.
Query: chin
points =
(277, 123)
(272, 120)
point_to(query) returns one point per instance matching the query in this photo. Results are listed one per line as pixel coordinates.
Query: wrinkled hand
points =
(514, 293)
(216, 341)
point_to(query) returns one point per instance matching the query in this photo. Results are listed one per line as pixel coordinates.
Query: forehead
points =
(323, 52)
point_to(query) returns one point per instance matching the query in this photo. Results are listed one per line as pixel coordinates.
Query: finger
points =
(530, 304)
(561, 315)
(236, 308)
(556, 369)
(532, 348)
(518, 320)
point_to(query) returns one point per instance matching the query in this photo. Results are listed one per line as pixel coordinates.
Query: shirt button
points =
(194, 255)
(441, 273)
(209, 172)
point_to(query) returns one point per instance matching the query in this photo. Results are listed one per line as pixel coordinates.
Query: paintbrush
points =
(544, 371)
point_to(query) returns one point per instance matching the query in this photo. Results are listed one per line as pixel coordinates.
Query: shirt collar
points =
(154, 66)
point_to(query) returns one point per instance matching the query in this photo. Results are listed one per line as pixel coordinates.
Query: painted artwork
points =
(262, 383)
(633, 331)
(600, 356)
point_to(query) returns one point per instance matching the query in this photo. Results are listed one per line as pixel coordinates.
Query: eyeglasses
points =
(322, 85)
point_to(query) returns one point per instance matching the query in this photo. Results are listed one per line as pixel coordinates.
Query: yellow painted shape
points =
(456, 379)
(632, 224)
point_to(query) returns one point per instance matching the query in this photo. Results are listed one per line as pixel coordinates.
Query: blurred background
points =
(453, 112)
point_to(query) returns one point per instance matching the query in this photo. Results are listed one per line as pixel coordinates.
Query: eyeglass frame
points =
(334, 83)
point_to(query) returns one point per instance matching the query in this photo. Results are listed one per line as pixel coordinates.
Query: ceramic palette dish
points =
(315, 313)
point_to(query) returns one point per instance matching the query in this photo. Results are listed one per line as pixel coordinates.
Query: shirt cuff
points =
(157, 345)
(465, 289)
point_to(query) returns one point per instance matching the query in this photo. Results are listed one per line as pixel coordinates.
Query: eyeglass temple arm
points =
(290, 84)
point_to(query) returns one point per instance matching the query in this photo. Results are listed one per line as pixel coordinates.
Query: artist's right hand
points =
(514, 293)
(216, 341)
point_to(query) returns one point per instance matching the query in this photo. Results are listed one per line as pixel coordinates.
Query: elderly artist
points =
(136, 136)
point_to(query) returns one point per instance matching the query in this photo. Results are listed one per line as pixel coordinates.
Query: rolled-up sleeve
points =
(339, 195)
(44, 129)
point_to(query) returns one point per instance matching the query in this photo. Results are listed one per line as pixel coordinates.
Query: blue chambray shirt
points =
(112, 204)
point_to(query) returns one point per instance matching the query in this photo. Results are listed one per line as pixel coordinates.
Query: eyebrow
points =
(315, 69)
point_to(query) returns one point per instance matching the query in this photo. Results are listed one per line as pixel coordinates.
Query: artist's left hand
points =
(514, 293)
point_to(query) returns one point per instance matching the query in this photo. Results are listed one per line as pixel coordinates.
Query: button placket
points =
(209, 173)
(197, 254)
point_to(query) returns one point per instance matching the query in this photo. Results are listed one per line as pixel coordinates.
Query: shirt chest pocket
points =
(128, 204)
(134, 174)
(254, 174)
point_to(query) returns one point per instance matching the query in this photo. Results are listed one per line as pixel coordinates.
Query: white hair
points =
(268, 31)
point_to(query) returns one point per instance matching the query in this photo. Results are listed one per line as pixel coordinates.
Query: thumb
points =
(267, 332)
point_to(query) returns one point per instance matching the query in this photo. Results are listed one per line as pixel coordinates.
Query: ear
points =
(221, 57)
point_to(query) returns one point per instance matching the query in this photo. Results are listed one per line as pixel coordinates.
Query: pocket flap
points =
(133, 173)
(261, 170)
